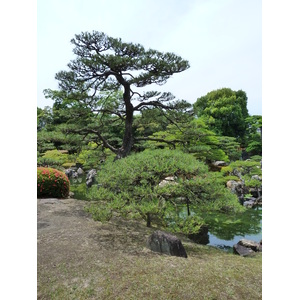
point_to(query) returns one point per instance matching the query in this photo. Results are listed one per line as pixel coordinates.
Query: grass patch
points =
(208, 275)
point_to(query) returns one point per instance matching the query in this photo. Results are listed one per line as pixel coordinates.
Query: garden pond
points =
(223, 231)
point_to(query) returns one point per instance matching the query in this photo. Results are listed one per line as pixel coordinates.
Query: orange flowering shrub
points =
(52, 183)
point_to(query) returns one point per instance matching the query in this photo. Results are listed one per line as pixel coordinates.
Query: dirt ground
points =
(64, 227)
(69, 242)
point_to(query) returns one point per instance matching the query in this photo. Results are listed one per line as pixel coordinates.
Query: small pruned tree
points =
(136, 186)
(103, 66)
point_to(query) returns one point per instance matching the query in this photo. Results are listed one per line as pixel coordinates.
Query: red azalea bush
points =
(52, 183)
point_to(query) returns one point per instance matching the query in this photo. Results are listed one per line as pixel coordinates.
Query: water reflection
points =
(224, 230)
(202, 237)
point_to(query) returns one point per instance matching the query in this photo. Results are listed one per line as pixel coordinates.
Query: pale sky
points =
(221, 39)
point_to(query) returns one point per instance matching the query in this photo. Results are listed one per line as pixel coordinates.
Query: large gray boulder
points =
(166, 243)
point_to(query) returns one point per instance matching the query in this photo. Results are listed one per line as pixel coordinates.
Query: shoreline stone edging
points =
(247, 247)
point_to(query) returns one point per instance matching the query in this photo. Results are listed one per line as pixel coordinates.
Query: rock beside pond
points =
(166, 243)
(247, 247)
(74, 172)
(242, 250)
(250, 202)
(80, 171)
(238, 188)
(90, 177)
(69, 172)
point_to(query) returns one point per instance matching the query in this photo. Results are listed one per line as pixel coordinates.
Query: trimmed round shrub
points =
(52, 183)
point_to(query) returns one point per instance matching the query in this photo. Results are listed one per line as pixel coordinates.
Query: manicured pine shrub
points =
(132, 187)
(52, 183)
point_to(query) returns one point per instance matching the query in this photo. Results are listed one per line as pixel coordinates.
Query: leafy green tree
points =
(254, 135)
(105, 65)
(49, 132)
(225, 111)
(136, 187)
(230, 146)
(44, 117)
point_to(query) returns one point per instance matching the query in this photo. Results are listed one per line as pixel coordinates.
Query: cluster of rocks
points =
(78, 173)
(239, 188)
(74, 172)
(247, 247)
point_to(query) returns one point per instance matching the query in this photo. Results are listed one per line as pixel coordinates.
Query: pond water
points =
(254, 232)
(224, 230)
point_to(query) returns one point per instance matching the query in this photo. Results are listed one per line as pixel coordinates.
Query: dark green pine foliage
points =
(101, 88)
(136, 187)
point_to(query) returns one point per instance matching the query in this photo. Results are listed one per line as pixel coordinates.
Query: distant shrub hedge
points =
(52, 183)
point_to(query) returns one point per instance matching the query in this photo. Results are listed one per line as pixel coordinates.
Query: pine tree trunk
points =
(128, 134)
(188, 206)
(148, 220)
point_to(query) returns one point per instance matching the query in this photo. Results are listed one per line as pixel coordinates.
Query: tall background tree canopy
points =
(225, 111)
